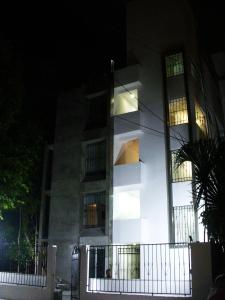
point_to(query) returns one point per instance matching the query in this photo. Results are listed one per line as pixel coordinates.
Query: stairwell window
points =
(200, 118)
(181, 173)
(125, 102)
(94, 209)
(174, 65)
(178, 113)
(95, 160)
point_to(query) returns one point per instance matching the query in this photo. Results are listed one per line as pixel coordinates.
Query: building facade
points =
(114, 177)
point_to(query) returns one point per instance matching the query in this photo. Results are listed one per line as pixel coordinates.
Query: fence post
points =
(83, 271)
(51, 268)
(201, 270)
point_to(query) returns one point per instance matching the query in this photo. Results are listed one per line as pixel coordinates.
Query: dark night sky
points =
(63, 44)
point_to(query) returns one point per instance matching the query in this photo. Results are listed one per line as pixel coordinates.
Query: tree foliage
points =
(208, 158)
(20, 142)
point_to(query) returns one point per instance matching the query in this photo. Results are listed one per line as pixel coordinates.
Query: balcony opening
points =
(178, 113)
(125, 102)
(128, 153)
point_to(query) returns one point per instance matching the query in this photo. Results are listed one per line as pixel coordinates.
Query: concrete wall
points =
(64, 222)
(201, 270)
(22, 292)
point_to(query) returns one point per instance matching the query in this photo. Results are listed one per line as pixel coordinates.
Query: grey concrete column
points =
(201, 270)
(51, 268)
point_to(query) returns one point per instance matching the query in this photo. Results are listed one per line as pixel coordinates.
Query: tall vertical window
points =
(182, 172)
(200, 118)
(129, 153)
(125, 102)
(174, 65)
(95, 159)
(178, 113)
(184, 223)
(94, 209)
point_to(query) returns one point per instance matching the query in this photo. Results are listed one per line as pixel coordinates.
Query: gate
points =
(75, 274)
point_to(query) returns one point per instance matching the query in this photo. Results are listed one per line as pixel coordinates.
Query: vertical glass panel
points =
(178, 113)
(174, 65)
(181, 173)
(200, 118)
(125, 102)
(129, 153)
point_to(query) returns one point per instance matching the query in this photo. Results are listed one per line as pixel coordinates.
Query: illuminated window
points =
(181, 173)
(184, 223)
(126, 205)
(174, 65)
(125, 102)
(95, 159)
(200, 118)
(94, 210)
(129, 153)
(178, 113)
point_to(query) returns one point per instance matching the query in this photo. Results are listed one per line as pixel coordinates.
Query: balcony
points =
(127, 174)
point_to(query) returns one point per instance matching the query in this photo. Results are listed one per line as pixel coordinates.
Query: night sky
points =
(64, 44)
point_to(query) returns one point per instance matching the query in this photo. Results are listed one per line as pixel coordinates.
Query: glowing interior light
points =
(200, 118)
(125, 102)
(129, 153)
(127, 205)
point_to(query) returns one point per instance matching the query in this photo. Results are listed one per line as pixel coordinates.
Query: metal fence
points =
(141, 269)
(23, 265)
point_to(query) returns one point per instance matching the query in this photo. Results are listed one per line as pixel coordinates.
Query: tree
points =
(208, 159)
(21, 147)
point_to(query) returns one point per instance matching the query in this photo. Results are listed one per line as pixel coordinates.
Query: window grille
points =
(182, 172)
(95, 158)
(178, 113)
(174, 65)
(94, 210)
(184, 223)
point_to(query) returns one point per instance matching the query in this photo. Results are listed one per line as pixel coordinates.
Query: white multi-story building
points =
(114, 179)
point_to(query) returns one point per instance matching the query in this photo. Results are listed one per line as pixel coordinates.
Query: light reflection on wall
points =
(126, 205)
